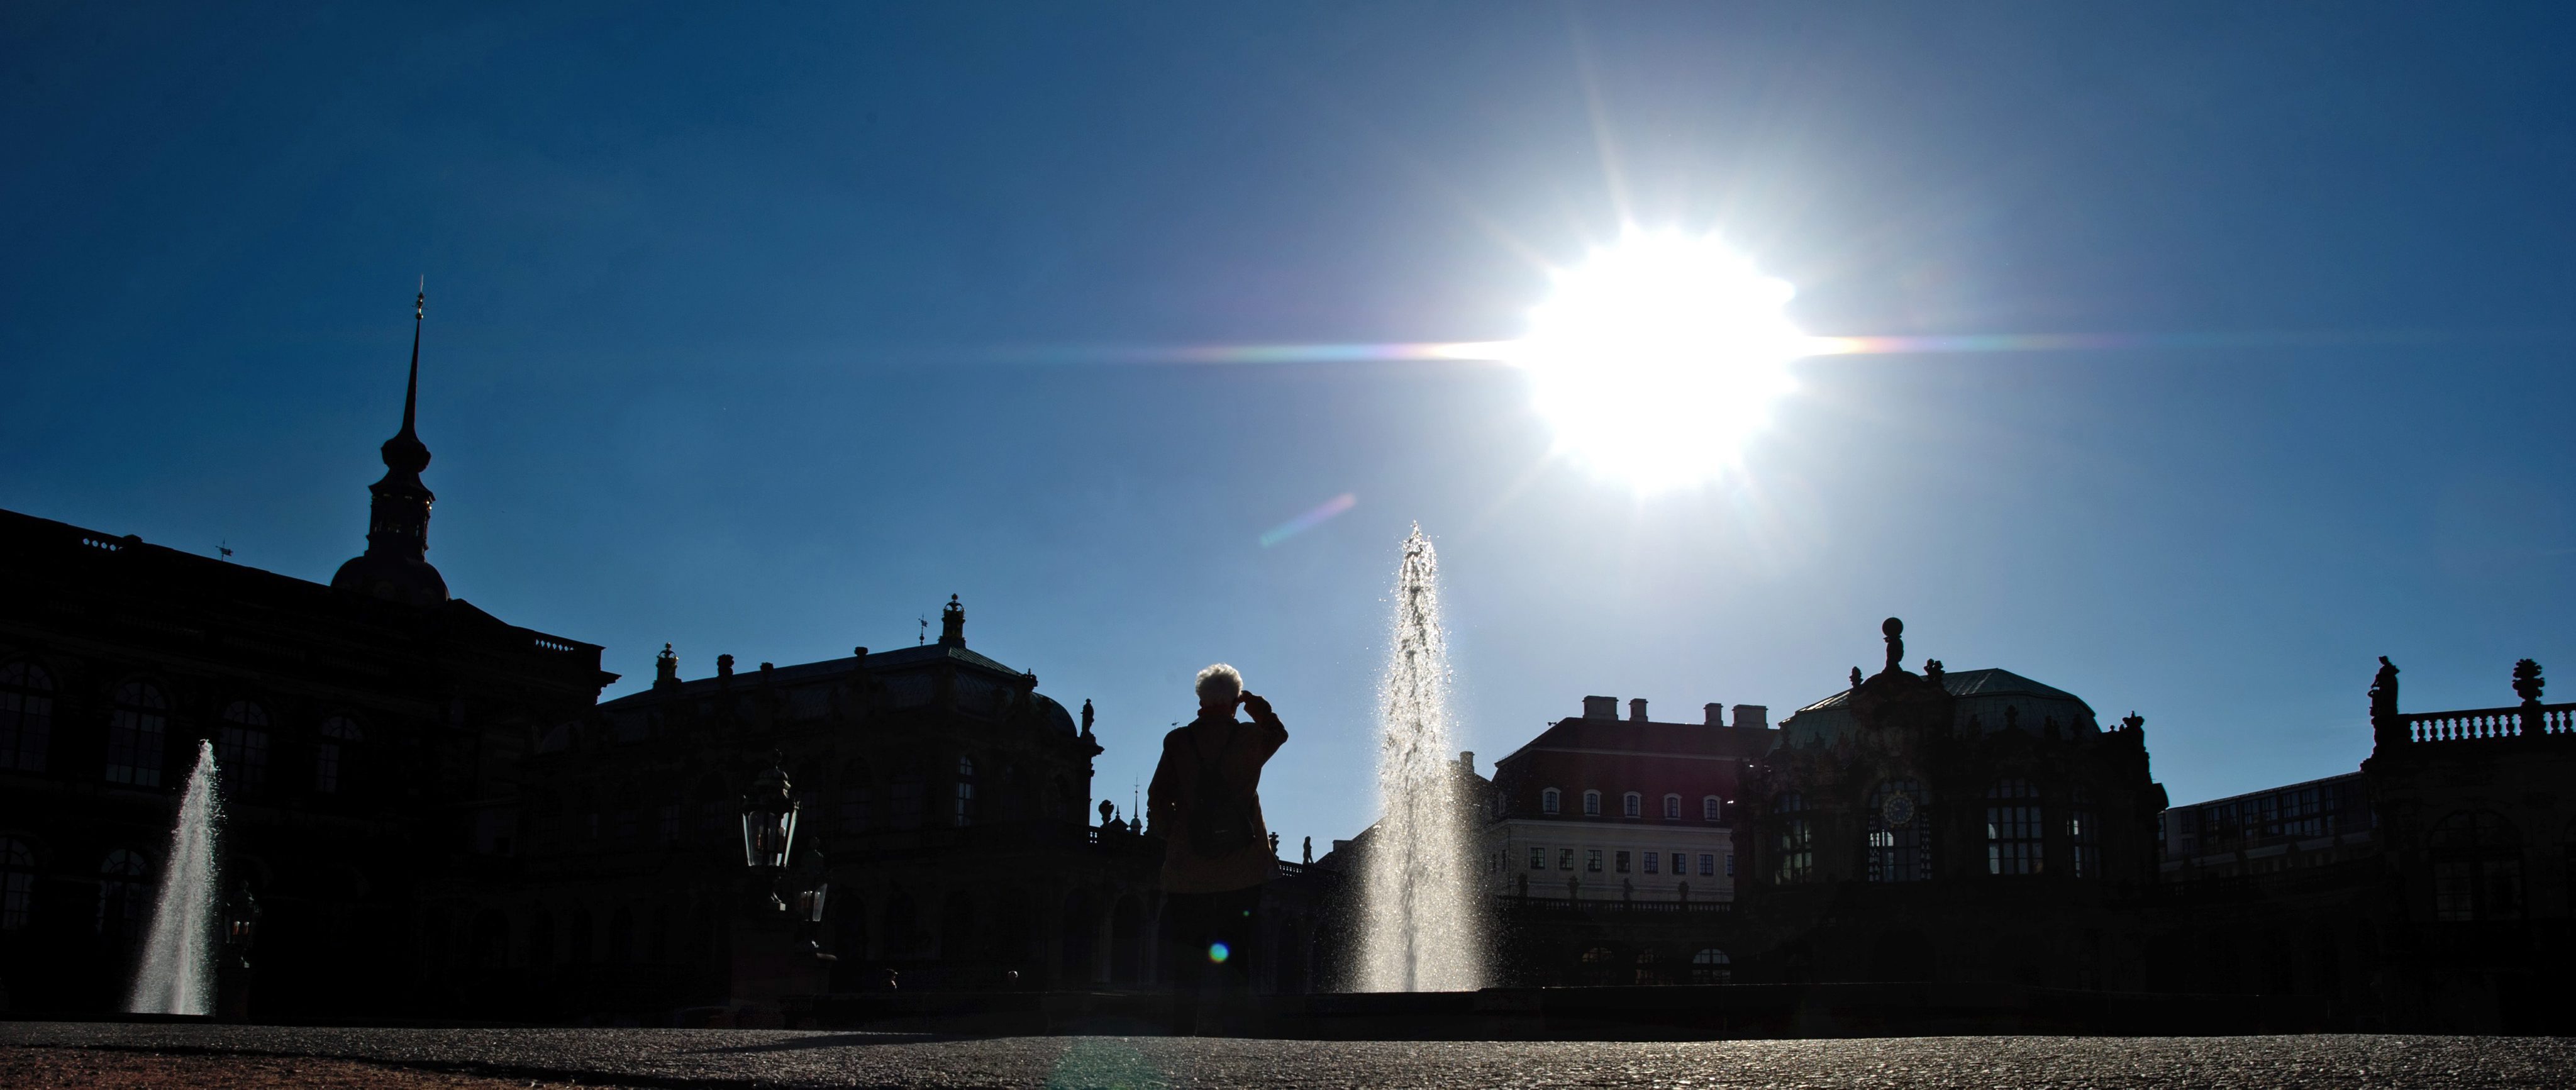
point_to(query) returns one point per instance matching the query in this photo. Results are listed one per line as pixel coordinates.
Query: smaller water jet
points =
(177, 973)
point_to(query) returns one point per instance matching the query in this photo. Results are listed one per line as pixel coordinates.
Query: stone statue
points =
(1108, 811)
(1274, 845)
(1086, 718)
(2383, 692)
(1855, 677)
(1310, 851)
(1895, 630)
(1932, 669)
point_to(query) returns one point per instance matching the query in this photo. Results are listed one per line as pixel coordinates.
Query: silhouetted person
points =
(1206, 801)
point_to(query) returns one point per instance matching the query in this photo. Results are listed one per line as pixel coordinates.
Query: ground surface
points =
(260, 1056)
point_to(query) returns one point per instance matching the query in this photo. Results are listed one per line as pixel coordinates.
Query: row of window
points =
(138, 727)
(851, 806)
(1653, 862)
(1600, 965)
(1551, 801)
(1897, 848)
(125, 889)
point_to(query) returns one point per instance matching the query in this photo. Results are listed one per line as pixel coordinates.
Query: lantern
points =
(768, 821)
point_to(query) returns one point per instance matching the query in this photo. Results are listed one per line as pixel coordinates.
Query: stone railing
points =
(2484, 723)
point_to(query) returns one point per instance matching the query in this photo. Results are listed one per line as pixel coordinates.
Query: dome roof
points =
(1985, 701)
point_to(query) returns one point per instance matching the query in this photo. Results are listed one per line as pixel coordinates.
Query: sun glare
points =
(1657, 357)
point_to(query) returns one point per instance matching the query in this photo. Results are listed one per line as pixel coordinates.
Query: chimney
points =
(1601, 707)
(1752, 717)
(1637, 710)
(1467, 760)
(1716, 714)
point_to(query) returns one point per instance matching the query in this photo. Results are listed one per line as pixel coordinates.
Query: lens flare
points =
(1218, 952)
(1657, 357)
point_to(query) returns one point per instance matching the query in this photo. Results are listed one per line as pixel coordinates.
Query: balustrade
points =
(2485, 723)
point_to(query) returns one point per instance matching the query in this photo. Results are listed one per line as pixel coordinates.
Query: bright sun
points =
(1658, 356)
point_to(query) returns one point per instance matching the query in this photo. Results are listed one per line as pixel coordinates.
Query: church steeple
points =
(395, 566)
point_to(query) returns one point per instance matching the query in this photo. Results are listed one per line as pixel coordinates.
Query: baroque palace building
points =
(433, 814)
(369, 732)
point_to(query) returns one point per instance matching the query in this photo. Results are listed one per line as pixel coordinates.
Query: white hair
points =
(1220, 682)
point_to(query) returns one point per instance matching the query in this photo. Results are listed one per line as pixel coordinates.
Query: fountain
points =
(177, 973)
(1422, 925)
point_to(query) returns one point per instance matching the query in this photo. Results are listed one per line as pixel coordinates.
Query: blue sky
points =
(762, 332)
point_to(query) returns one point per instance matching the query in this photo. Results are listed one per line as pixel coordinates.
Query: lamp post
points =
(774, 951)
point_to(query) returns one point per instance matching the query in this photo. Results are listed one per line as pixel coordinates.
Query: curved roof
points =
(1985, 699)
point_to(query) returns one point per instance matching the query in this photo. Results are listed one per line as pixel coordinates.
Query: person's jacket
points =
(1236, 750)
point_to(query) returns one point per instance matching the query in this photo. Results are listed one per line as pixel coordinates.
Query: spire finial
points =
(411, 391)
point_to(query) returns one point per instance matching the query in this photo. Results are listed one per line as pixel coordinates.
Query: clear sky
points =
(763, 331)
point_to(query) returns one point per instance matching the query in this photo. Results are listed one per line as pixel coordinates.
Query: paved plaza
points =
(647, 1057)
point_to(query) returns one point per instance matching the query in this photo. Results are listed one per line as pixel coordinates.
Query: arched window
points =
(134, 730)
(1632, 804)
(124, 894)
(1672, 807)
(2084, 835)
(1794, 844)
(1712, 967)
(1650, 970)
(907, 799)
(1708, 808)
(850, 797)
(1549, 801)
(1592, 804)
(2013, 828)
(26, 716)
(2477, 867)
(17, 884)
(1898, 850)
(1598, 965)
(965, 792)
(332, 747)
(241, 746)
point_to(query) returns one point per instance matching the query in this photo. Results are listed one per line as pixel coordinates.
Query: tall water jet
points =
(1422, 925)
(177, 973)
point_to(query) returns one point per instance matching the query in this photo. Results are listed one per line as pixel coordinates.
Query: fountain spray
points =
(1423, 925)
(177, 975)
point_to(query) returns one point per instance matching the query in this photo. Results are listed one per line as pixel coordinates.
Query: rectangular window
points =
(1565, 859)
(1592, 804)
(326, 767)
(1620, 860)
(1708, 864)
(965, 805)
(1592, 860)
(17, 899)
(1651, 859)
(1730, 865)
(1538, 859)
(669, 819)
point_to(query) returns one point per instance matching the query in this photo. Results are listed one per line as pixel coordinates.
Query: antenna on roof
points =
(924, 637)
(222, 550)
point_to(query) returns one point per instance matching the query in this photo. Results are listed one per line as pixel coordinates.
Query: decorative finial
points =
(2527, 681)
(952, 624)
(1895, 630)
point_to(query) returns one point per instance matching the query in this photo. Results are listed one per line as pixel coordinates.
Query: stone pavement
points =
(781, 1058)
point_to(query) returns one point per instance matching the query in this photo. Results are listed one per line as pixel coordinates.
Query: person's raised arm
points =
(1273, 733)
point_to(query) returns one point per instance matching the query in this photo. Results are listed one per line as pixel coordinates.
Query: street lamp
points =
(768, 821)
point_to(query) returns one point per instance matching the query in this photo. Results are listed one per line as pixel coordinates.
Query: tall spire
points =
(411, 390)
(395, 566)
